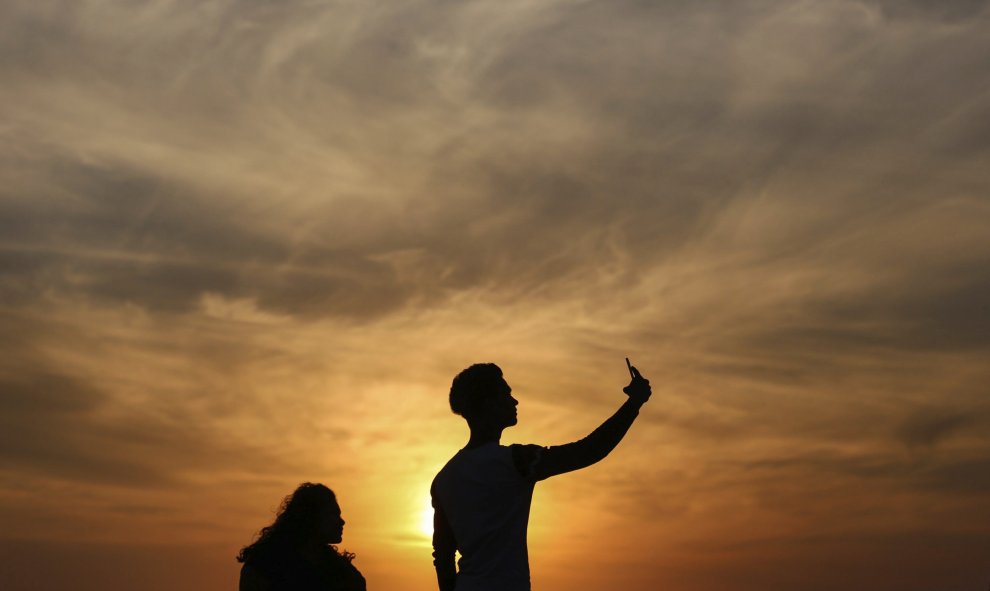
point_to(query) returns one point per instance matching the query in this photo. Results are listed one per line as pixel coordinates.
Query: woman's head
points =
(310, 515)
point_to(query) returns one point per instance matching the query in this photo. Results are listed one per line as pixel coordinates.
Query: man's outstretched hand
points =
(638, 389)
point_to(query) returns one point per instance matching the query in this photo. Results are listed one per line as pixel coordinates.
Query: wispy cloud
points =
(244, 244)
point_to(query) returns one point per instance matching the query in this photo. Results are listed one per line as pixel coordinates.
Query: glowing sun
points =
(426, 519)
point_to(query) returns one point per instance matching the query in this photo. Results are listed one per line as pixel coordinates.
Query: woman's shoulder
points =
(270, 561)
(342, 572)
(252, 579)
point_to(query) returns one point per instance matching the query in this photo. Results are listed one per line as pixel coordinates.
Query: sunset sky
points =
(246, 244)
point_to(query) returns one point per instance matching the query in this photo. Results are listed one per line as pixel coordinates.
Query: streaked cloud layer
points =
(246, 244)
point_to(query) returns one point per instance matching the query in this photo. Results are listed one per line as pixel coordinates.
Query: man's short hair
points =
(473, 386)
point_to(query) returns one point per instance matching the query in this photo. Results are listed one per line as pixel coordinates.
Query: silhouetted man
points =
(481, 498)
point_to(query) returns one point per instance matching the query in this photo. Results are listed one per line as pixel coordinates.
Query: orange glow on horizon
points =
(246, 245)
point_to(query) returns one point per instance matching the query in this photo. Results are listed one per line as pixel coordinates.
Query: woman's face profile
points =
(331, 523)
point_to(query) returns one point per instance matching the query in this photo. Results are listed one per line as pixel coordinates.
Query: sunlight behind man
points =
(426, 518)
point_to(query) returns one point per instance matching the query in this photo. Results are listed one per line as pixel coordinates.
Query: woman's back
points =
(295, 553)
(288, 569)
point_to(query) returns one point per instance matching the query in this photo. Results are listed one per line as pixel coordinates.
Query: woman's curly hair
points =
(298, 518)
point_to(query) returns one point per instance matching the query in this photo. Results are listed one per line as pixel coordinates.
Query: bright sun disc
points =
(426, 519)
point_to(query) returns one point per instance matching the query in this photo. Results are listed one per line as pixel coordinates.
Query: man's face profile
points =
(501, 405)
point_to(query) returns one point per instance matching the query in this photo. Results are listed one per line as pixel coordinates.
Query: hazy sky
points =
(245, 244)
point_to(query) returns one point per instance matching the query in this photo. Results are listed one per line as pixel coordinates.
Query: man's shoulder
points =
(525, 458)
(448, 469)
(476, 461)
(488, 461)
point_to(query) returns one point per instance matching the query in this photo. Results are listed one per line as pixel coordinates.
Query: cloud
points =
(42, 414)
(143, 564)
(528, 185)
(57, 426)
(959, 10)
(927, 427)
(76, 409)
(247, 243)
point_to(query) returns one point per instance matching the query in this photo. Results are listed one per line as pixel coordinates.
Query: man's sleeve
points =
(525, 458)
(550, 461)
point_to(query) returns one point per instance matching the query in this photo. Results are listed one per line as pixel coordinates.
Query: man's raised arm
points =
(585, 452)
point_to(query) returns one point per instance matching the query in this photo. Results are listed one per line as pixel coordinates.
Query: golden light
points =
(426, 518)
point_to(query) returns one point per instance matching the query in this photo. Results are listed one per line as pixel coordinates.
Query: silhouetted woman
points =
(295, 552)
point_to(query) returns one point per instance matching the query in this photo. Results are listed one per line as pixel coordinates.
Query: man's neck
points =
(480, 435)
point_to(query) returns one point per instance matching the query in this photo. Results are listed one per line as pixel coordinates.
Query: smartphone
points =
(629, 365)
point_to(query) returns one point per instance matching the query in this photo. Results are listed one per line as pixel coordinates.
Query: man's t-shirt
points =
(484, 494)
